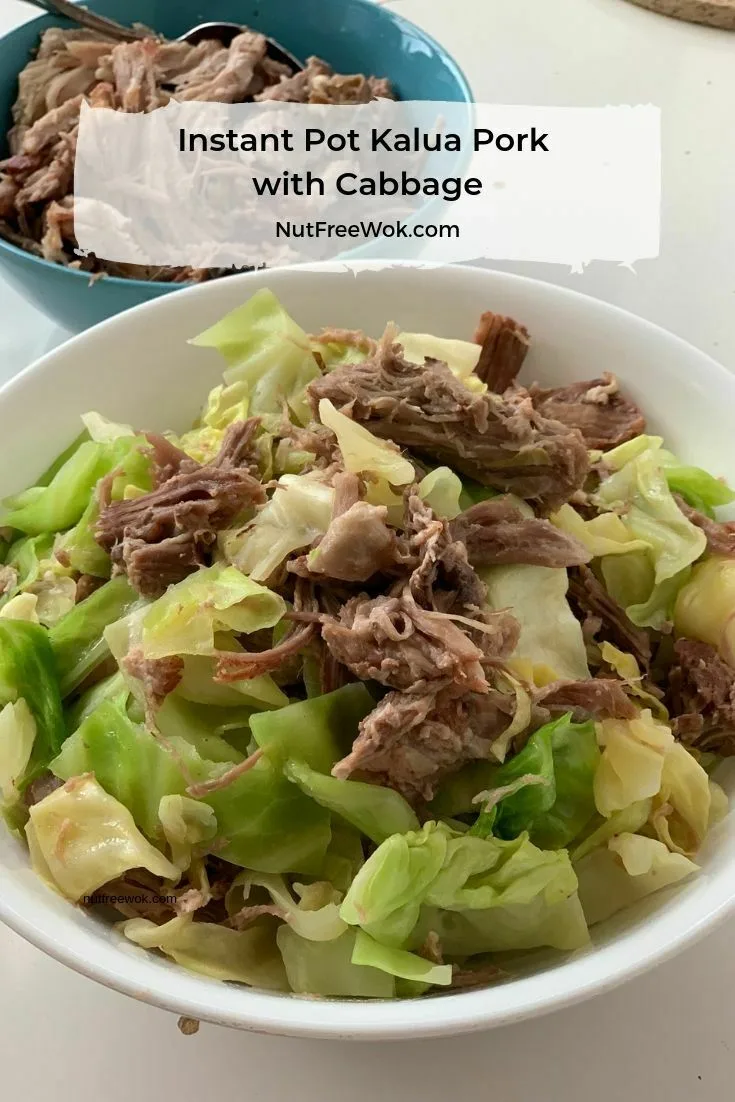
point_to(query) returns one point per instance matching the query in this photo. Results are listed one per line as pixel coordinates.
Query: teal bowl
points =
(354, 36)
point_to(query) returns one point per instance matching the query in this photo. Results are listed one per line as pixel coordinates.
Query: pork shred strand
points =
(162, 536)
(76, 65)
(496, 532)
(501, 441)
(410, 741)
(593, 603)
(596, 408)
(701, 697)
(505, 344)
(720, 534)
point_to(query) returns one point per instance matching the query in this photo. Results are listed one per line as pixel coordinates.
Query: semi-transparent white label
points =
(220, 185)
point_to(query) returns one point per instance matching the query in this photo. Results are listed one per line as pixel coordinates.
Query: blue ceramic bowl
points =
(354, 36)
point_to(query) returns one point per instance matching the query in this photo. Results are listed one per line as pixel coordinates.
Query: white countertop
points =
(666, 1035)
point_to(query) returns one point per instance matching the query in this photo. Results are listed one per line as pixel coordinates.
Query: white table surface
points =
(667, 1034)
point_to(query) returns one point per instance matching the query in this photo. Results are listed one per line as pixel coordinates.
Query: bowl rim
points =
(159, 288)
(576, 977)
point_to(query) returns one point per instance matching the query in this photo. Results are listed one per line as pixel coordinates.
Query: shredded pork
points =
(501, 442)
(162, 536)
(73, 66)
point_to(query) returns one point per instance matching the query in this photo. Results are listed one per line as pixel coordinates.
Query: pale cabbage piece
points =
(198, 685)
(397, 962)
(551, 636)
(17, 735)
(86, 837)
(103, 431)
(705, 606)
(719, 804)
(186, 823)
(441, 489)
(515, 927)
(364, 453)
(215, 598)
(56, 595)
(464, 881)
(628, 670)
(628, 869)
(604, 534)
(685, 789)
(21, 607)
(630, 580)
(632, 762)
(224, 406)
(461, 357)
(245, 956)
(617, 457)
(314, 917)
(627, 821)
(298, 513)
(651, 514)
(326, 968)
(266, 351)
(521, 715)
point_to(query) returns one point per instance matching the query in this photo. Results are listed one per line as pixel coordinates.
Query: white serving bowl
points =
(138, 368)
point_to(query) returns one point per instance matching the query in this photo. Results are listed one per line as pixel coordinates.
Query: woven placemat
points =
(715, 13)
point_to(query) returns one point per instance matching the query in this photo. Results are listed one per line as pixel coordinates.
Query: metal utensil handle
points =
(87, 19)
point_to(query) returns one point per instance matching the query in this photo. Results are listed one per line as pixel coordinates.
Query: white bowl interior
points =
(137, 367)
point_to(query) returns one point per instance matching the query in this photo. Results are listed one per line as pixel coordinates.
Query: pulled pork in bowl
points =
(47, 69)
(392, 673)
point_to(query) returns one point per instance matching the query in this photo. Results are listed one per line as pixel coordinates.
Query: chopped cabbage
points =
(627, 669)
(198, 685)
(629, 579)
(298, 513)
(318, 731)
(377, 812)
(186, 824)
(21, 607)
(59, 505)
(515, 927)
(263, 821)
(631, 767)
(39, 574)
(604, 534)
(215, 598)
(77, 639)
(564, 756)
(651, 514)
(246, 956)
(127, 760)
(86, 837)
(685, 790)
(627, 821)
(699, 489)
(362, 452)
(461, 357)
(442, 489)
(551, 637)
(314, 917)
(103, 431)
(705, 606)
(439, 868)
(326, 968)
(629, 868)
(397, 962)
(27, 672)
(17, 735)
(267, 351)
(201, 727)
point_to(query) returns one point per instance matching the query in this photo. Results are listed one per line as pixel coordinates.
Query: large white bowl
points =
(138, 368)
